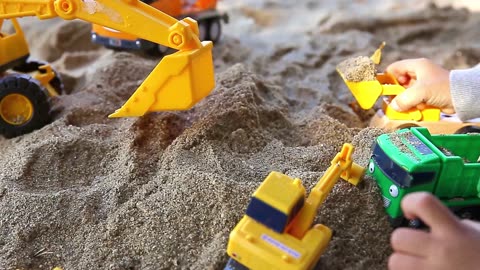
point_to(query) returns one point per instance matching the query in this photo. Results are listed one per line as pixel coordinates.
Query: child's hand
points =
(450, 244)
(427, 84)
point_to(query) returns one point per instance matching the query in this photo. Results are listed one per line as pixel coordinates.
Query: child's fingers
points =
(411, 242)
(403, 79)
(430, 210)
(404, 67)
(409, 98)
(400, 261)
(398, 68)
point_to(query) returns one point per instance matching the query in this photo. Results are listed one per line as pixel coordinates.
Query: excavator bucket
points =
(178, 82)
(353, 172)
(366, 93)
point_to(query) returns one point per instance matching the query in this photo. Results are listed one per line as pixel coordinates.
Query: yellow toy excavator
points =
(178, 82)
(276, 232)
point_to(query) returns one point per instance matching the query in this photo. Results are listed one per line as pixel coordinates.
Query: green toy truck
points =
(412, 160)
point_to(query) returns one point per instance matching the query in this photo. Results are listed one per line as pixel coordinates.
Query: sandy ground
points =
(163, 191)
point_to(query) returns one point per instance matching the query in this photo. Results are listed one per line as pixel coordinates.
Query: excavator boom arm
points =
(178, 82)
(342, 166)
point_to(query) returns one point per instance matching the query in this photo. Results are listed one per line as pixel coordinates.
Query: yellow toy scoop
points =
(360, 76)
(366, 92)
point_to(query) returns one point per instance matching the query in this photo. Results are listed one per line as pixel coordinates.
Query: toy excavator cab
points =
(272, 206)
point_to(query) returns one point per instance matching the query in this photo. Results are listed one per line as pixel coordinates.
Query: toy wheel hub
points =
(16, 109)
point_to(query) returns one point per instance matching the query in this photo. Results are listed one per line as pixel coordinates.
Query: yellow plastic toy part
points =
(367, 93)
(44, 77)
(16, 109)
(183, 79)
(259, 249)
(391, 88)
(277, 183)
(430, 114)
(276, 232)
(414, 114)
(178, 82)
(377, 55)
(342, 166)
(14, 45)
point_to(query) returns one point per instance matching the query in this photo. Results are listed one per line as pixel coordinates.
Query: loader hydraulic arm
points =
(129, 16)
(179, 80)
(342, 166)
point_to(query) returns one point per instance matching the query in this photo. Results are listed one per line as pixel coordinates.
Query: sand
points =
(163, 191)
(358, 69)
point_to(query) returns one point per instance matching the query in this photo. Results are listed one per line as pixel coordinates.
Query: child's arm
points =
(450, 243)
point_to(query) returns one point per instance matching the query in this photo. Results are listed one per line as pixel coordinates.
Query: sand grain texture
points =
(358, 69)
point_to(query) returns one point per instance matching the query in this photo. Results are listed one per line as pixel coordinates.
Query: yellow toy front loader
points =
(276, 231)
(26, 85)
(178, 82)
(367, 92)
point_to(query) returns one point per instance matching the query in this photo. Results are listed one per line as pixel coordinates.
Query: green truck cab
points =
(412, 160)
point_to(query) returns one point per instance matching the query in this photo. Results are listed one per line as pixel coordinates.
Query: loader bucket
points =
(178, 82)
(366, 92)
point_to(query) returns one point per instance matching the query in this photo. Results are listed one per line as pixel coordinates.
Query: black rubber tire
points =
(158, 51)
(214, 24)
(416, 224)
(468, 212)
(203, 30)
(155, 50)
(403, 222)
(32, 65)
(398, 222)
(30, 88)
(468, 129)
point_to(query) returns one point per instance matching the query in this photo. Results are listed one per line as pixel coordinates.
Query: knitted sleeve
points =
(465, 91)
